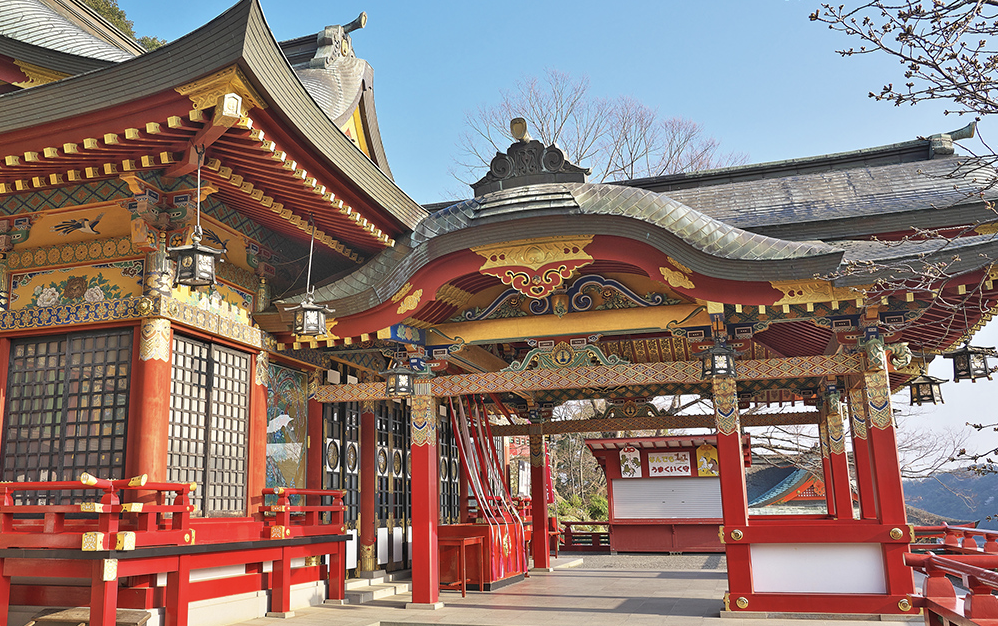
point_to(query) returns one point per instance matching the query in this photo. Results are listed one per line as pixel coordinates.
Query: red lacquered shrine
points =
(664, 493)
(239, 440)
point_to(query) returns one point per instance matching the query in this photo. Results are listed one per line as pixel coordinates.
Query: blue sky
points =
(760, 76)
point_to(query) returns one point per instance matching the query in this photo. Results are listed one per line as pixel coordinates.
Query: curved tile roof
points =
(382, 276)
(52, 59)
(336, 88)
(33, 22)
(961, 255)
(702, 232)
(825, 204)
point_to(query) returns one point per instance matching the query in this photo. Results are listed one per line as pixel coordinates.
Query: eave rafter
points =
(239, 156)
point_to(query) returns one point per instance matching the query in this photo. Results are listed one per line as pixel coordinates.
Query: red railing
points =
(959, 539)
(576, 540)
(113, 525)
(939, 599)
(109, 542)
(968, 554)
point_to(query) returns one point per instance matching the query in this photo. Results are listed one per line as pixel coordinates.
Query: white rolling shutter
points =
(665, 498)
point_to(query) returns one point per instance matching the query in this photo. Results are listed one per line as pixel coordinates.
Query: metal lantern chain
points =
(196, 236)
(311, 249)
(309, 317)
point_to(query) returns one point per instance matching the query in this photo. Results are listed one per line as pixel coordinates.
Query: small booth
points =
(664, 492)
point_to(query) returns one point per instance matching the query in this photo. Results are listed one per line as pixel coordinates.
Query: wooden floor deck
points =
(637, 590)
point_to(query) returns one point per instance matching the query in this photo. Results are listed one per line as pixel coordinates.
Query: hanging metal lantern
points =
(400, 382)
(195, 263)
(925, 388)
(309, 317)
(718, 360)
(971, 363)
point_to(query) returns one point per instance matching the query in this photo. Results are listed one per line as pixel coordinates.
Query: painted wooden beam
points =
(650, 423)
(678, 372)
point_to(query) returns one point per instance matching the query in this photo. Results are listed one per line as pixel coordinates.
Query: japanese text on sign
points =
(669, 463)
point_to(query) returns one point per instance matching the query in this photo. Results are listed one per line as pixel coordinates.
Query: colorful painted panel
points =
(630, 462)
(287, 427)
(63, 254)
(75, 285)
(707, 464)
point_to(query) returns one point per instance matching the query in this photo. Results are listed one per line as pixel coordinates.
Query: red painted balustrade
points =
(124, 549)
(578, 540)
(939, 600)
(958, 539)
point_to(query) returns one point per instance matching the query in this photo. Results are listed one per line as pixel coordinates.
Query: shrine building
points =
(243, 365)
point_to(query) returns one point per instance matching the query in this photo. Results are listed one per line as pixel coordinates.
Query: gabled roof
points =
(49, 59)
(850, 203)
(143, 89)
(65, 26)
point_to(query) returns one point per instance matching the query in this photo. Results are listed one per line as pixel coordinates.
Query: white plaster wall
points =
(818, 568)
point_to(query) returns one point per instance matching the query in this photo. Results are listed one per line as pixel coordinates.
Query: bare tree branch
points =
(618, 138)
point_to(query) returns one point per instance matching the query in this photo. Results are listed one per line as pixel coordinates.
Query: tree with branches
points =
(618, 138)
(947, 49)
(109, 10)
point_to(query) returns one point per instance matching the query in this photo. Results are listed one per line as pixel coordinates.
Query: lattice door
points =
(67, 409)
(209, 420)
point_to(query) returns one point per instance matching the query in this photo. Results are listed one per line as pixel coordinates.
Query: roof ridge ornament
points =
(942, 143)
(334, 42)
(528, 162)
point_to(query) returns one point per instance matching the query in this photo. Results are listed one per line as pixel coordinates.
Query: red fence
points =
(122, 548)
(969, 555)
(578, 540)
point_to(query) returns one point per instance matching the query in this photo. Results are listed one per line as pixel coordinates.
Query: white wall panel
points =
(666, 498)
(818, 568)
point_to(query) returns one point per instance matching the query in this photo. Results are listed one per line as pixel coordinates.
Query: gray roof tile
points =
(32, 22)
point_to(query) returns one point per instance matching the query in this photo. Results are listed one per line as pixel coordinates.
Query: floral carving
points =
(537, 267)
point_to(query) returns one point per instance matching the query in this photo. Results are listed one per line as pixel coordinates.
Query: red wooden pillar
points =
(149, 419)
(425, 503)
(826, 464)
(280, 589)
(4, 592)
(178, 592)
(842, 488)
(539, 502)
(732, 476)
(886, 468)
(104, 592)
(314, 467)
(256, 475)
(368, 522)
(861, 454)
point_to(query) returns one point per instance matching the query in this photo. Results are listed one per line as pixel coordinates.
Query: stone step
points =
(375, 592)
(363, 583)
(387, 584)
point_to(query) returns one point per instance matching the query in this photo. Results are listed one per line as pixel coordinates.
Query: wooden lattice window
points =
(209, 422)
(67, 409)
(450, 475)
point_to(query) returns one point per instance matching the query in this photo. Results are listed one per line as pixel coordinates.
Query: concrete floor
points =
(619, 590)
